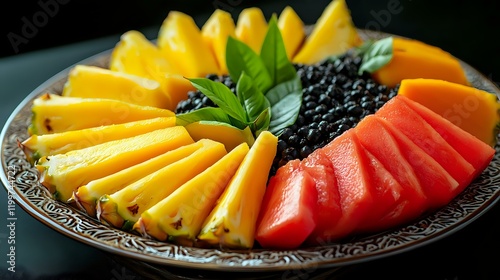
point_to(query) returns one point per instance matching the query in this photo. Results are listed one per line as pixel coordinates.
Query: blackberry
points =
(335, 99)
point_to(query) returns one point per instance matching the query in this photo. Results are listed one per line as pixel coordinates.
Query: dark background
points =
(467, 29)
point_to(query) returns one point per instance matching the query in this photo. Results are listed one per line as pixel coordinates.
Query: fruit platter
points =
(258, 144)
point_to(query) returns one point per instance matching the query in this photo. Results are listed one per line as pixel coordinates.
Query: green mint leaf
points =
(203, 114)
(285, 100)
(222, 96)
(252, 99)
(241, 58)
(376, 56)
(273, 54)
(262, 122)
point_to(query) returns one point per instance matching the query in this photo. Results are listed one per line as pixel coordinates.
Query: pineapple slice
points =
(215, 32)
(52, 113)
(333, 34)
(292, 30)
(179, 216)
(124, 207)
(181, 41)
(233, 220)
(251, 28)
(37, 146)
(97, 82)
(62, 174)
(86, 196)
(135, 54)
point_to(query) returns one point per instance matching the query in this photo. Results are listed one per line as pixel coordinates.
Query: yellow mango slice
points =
(96, 82)
(232, 222)
(181, 41)
(135, 54)
(53, 113)
(219, 26)
(333, 34)
(123, 208)
(251, 28)
(412, 59)
(86, 196)
(228, 135)
(62, 174)
(475, 111)
(37, 146)
(292, 30)
(177, 87)
(179, 216)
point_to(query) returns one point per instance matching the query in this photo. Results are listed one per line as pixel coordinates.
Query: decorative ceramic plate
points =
(21, 181)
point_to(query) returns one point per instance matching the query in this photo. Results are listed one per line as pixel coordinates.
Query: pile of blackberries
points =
(335, 99)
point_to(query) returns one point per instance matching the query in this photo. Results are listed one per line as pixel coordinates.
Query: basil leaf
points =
(273, 54)
(376, 56)
(262, 122)
(222, 96)
(285, 100)
(203, 114)
(252, 99)
(241, 58)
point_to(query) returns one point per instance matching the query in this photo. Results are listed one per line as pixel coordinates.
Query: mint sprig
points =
(268, 89)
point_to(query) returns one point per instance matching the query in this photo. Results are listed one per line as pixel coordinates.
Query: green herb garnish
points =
(268, 89)
(375, 55)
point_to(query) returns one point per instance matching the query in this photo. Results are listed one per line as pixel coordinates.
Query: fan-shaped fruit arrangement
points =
(233, 133)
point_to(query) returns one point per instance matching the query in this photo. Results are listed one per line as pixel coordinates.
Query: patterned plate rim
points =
(20, 181)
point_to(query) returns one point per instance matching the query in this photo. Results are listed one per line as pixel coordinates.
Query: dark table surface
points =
(466, 30)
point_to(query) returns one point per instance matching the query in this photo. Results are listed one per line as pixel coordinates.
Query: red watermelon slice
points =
(476, 152)
(350, 165)
(382, 145)
(288, 212)
(411, 124)
(328, 204)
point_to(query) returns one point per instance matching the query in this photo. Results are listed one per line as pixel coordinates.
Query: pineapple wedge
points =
(62, 174)
(333, 34)
(86, 196)
(135, 54)
(96, 82)
(180, 40)
(179, 216)
(219, 26)
(232, 222)
(52, 113)
(251, 28)
(292, 30)
(124, 207)
(37, 146)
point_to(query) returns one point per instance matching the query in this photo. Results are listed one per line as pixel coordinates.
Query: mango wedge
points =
(52, 113)
(251, 28)
(179, 216)
(123, 208)
(219, 26)
(135, 54)
(180, 40)
(37, 146)
(232, 222)
(96, 82)
(292, 30)
(86, 196)
(62, 174)
(333, 34)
